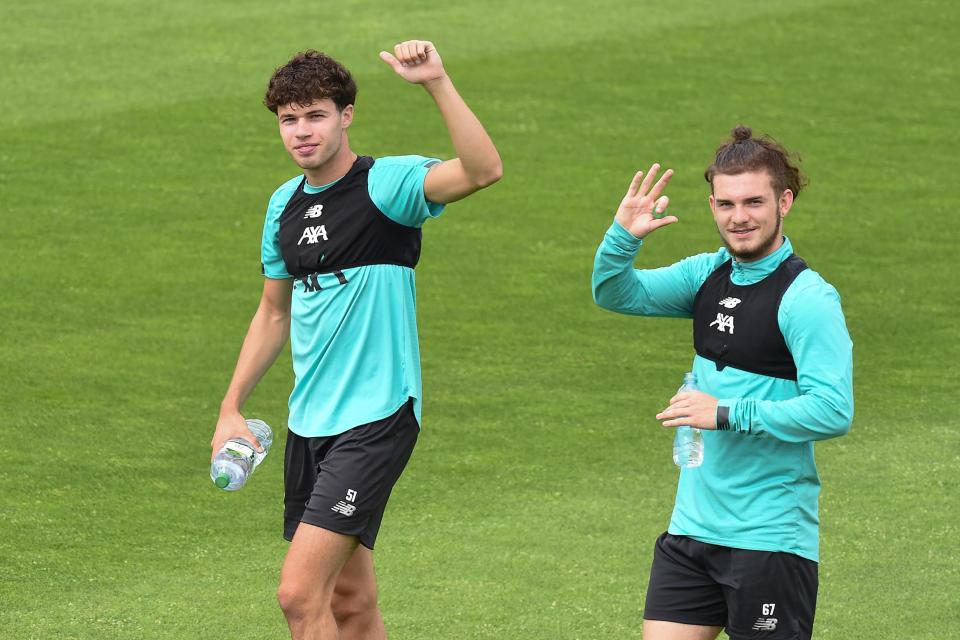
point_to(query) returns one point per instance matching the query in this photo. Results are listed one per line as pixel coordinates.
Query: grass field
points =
(135, 164)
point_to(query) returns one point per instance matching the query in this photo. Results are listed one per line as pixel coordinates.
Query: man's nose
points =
(302, 130)
(740, 214)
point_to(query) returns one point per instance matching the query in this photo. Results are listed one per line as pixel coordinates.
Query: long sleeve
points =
(666, 292)
(813, 326)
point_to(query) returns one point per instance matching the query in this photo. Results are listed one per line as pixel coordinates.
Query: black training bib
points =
(736, 325)
(341, 227)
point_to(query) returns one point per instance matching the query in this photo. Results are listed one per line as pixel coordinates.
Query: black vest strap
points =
(737, 326)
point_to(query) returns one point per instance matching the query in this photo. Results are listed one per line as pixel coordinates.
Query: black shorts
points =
(342, 482)
(754, 594)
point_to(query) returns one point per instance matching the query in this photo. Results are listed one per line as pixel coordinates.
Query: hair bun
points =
(742, 133)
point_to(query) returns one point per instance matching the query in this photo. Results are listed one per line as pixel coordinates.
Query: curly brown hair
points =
(743, 153)
(310, 76)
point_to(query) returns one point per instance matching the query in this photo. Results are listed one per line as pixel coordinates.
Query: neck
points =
(334, 168)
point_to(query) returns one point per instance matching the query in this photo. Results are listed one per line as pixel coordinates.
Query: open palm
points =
(639, 208)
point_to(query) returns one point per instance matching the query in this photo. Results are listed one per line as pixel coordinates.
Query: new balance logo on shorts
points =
(765, 624)
(343, 507)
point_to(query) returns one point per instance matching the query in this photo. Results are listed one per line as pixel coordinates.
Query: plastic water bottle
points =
(238, 458)
(688, 441)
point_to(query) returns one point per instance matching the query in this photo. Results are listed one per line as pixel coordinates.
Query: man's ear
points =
(346, 116)
(786, 201)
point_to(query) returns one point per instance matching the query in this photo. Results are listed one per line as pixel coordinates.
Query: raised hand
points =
(638, 209)
(415, 61)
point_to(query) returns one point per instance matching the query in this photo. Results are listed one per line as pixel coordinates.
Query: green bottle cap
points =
(222, 481)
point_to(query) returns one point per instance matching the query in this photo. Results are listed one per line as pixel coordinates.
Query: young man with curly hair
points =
(775, 372)
(340, 243)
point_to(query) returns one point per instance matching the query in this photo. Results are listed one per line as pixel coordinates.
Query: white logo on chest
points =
(730, 303)
(313, 234)
(314, 211)
(723, 322)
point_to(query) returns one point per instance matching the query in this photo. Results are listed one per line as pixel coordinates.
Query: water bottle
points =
(238, 458)
(688, 441)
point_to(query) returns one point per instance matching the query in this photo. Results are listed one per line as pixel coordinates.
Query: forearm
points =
(474, 148)
(619, 287)
(615, 287)
(814, 416)
(265, 339)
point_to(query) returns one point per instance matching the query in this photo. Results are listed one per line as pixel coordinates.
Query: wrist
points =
(438, 84)
(723, 418)
(728, 418)
(622, 236)
(229, 408)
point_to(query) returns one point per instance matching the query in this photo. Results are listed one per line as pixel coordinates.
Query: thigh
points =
(315, 559)
(681, 589)
(662, 630)
(771, 595)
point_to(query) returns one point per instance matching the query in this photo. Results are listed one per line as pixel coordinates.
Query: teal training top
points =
(758, 486)
(356, 355)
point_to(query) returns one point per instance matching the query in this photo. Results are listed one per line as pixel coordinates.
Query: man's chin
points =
(747, 253)
(307, 163)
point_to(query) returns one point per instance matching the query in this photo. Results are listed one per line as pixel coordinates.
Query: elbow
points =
(488, 175)
(844, 412)
(843, 420)
(847, 422)
(279, 317)
(600, 299)
(842, 429)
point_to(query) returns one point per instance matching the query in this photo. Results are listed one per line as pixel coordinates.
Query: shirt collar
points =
(750, 272)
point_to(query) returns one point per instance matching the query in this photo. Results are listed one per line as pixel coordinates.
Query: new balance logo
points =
(729, 303)
(765, 624)
(343, 507)
(723, 322)
(313, 234)
(314, 211)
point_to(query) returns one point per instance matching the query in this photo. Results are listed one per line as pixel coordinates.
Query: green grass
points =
(135, 164)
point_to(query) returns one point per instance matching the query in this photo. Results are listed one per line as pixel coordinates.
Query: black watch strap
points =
(723, 418)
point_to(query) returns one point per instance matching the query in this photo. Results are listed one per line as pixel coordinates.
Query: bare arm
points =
(265, 338)
(477, 164)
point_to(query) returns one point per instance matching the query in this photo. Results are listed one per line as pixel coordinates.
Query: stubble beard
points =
(761, 251)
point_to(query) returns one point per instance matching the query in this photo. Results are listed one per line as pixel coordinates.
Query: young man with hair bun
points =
(775, 374)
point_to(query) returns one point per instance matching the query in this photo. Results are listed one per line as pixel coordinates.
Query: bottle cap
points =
(222, 481)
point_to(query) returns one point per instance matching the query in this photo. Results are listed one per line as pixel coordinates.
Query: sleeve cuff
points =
(623, 238)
